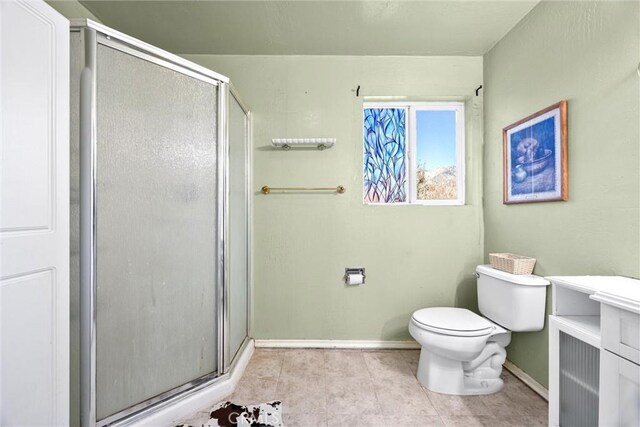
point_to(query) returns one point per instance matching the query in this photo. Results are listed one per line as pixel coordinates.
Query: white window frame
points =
(411, 165)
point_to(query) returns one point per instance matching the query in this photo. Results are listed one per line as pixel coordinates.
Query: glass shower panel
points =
(156, 230)
(238, 226)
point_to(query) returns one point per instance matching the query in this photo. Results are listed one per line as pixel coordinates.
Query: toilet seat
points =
(452, 321)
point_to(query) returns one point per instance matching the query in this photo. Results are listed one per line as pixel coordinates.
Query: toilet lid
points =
(452, 319)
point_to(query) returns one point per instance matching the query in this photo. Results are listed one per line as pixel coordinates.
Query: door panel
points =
(579, 368)
(26, 345)
(619, 391)
(28, 152)
(34, 215)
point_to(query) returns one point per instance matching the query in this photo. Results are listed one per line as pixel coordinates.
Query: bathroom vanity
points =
(594, 351)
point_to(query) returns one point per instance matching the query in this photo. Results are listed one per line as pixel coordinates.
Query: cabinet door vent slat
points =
(579, 382)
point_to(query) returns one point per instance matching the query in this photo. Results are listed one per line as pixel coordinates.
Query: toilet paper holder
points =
(353, 270)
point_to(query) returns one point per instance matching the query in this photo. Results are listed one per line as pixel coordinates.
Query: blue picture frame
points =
(535, 157)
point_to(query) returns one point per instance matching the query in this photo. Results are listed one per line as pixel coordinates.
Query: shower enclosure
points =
(160, 213)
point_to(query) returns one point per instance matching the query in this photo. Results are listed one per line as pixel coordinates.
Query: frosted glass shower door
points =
(156, 222)
(239, 274)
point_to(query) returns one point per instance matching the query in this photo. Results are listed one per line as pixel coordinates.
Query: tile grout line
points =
(326, 390)
(373, 383)
(424, 391)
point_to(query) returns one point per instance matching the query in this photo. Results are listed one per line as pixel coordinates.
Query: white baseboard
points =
(346, 344)
(525, 378)
(198, 400)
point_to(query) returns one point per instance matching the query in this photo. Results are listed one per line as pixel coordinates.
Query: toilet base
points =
(447, 376)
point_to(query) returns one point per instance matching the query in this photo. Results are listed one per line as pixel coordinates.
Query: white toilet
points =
(462, 353)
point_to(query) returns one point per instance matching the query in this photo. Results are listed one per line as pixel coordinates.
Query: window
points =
(414, 153)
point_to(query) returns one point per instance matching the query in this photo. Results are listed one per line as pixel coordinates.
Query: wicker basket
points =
(511, 263)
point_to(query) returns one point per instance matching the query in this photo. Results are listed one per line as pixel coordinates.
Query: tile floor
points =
(372, 388)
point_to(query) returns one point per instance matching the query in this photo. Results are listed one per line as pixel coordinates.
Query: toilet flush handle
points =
(476, 274)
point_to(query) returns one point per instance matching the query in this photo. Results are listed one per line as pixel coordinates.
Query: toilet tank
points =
(516, 302)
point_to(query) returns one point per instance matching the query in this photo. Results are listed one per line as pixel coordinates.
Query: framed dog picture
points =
(535, 157)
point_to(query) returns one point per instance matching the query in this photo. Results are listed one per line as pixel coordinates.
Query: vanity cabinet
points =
(594, 351)
(620, 391)
(619, 355)
(620, 330)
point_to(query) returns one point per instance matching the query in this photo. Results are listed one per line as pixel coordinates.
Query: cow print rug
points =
(228, 414)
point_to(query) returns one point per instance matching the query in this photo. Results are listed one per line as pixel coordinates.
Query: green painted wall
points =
(587, 53)
(415, 256)
(72, 9)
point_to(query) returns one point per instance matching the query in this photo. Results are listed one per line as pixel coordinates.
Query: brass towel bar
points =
(339, 189)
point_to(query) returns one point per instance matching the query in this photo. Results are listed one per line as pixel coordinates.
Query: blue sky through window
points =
(436, 138)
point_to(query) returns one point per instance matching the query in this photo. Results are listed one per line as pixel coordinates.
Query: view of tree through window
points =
(436, 155)
(413, 153)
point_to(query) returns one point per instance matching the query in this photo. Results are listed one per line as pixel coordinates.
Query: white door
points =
(34, 215)
(619, 391)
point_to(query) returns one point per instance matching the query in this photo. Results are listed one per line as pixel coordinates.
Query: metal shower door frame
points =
(92, 35)
(228, 357)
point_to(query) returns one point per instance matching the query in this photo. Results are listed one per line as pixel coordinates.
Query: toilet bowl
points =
(463, 352)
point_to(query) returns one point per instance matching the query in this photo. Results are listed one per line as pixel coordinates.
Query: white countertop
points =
(621, 292)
